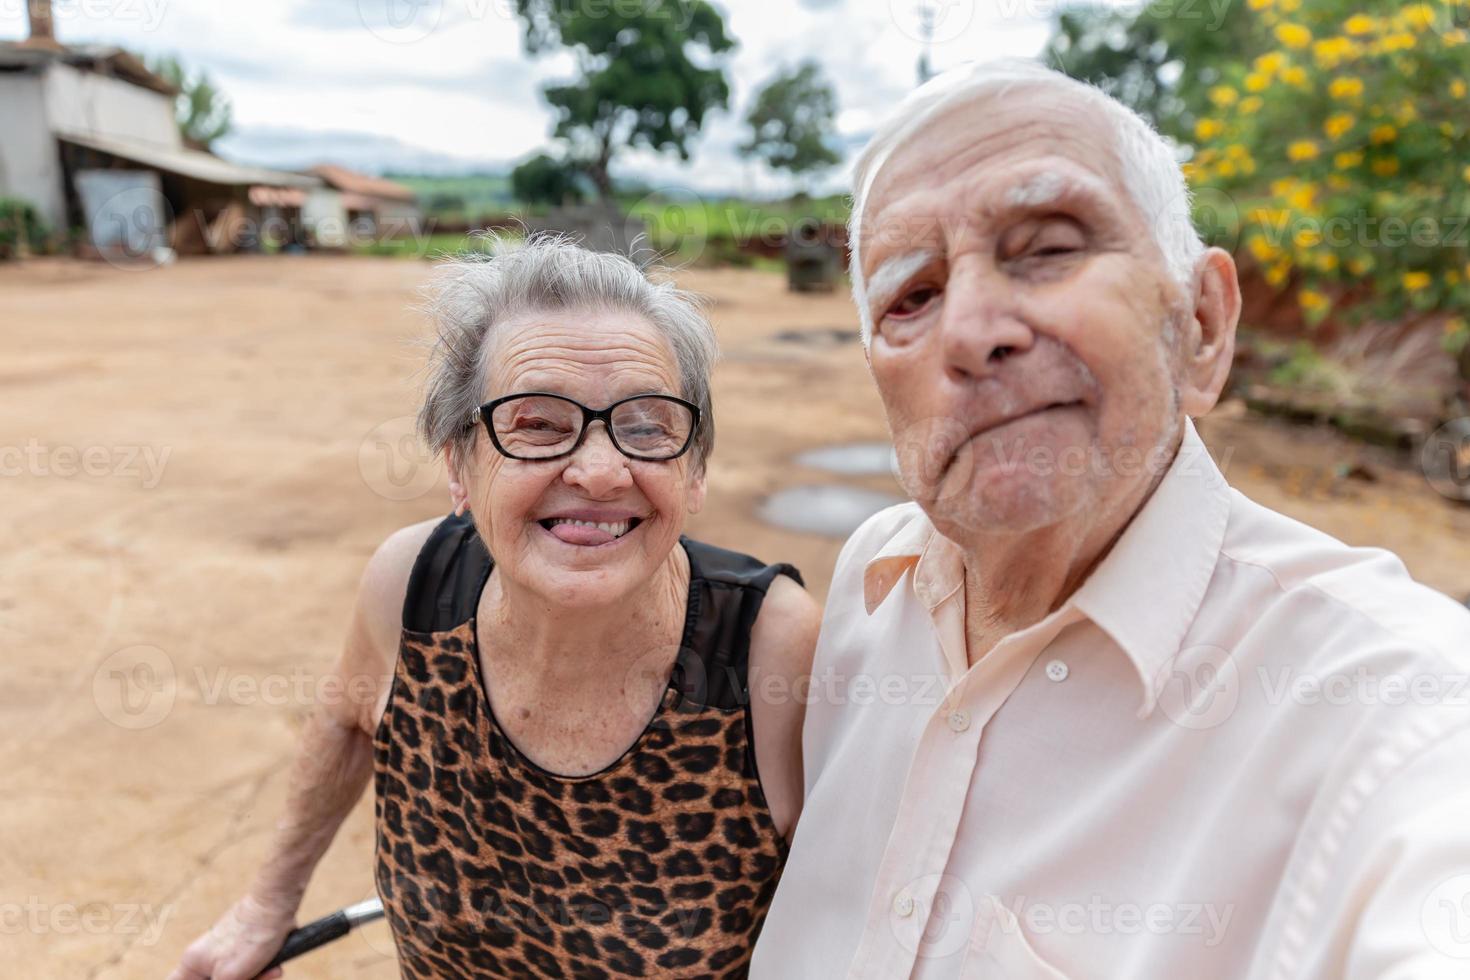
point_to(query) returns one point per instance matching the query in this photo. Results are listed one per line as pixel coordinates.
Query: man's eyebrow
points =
(892, 273)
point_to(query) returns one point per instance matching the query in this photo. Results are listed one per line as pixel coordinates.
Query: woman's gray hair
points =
(469, 297)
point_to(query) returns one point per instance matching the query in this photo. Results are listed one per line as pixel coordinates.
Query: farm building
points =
(372, 204)
(91, 143)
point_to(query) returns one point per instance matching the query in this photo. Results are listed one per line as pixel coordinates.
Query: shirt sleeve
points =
(1397, 898)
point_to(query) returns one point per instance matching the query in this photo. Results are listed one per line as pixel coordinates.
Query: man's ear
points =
(459, 496)
(1209, 343)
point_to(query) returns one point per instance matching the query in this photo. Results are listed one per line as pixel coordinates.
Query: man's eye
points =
(1056, 248)
(914, 302)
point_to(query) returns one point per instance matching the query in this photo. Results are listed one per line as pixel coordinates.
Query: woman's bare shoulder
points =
(384, 585)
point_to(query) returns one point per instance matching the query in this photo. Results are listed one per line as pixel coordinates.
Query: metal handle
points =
(324, 930)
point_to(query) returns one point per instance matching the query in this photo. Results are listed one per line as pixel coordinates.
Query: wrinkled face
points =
(1023, 319)
(539, 517)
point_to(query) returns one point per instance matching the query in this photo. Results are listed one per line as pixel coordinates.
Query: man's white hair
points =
(1151, 173)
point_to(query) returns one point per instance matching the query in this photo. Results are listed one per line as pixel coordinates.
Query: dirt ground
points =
(198, 461)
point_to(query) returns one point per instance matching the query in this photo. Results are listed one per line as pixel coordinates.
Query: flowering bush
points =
(1344, 138)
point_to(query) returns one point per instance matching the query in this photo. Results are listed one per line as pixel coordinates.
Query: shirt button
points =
(959, 720)
(1057, 671)
(903, 904)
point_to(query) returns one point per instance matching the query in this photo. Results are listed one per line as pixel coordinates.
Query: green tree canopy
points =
(202, 111)
(793, 122)
(543, 179)
(648, 74)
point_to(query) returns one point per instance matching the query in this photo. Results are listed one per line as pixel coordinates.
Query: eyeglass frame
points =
(483, 414)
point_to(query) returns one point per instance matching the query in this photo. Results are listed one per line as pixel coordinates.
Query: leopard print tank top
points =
(661, 865)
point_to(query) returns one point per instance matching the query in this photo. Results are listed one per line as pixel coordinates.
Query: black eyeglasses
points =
(536, 425)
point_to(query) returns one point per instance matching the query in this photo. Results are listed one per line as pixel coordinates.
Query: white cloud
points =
(447, 77)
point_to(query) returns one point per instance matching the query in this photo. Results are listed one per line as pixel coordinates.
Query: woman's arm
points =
(782, 642)
(333, 763)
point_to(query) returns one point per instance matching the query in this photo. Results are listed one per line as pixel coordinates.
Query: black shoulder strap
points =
(726, 592)
(447, 578)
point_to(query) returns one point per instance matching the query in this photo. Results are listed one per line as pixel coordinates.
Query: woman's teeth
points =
(616, 528)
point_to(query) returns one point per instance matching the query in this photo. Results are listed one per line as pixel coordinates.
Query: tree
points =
(648, 73)
(1342, 128)
(201, 110)
(792, 122)
(543, 179)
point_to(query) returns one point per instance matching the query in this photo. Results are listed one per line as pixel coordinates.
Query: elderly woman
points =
(571, 777)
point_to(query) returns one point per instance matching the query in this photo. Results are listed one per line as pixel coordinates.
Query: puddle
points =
(853, 459)
(835, 511)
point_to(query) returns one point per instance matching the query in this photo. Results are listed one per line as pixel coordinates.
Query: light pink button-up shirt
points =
(1240, 750)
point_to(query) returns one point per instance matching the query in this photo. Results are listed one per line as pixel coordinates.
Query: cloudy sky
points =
(442, 85)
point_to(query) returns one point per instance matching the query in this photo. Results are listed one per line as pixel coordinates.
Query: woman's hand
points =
(244, 940)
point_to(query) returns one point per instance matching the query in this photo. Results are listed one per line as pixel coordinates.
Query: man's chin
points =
(1004, 501)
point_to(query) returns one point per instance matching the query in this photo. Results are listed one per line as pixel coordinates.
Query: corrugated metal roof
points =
(105, 59)
(190, 163)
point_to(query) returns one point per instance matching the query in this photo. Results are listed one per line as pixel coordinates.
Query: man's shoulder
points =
(1361, 596)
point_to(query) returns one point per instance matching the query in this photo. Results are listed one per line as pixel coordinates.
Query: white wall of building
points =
(30, 166)
(95, 105)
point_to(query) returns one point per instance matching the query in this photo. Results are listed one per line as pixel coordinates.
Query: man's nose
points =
(597, 466)
(981, 326)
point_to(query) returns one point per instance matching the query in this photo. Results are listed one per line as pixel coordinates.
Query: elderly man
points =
(1081, 710)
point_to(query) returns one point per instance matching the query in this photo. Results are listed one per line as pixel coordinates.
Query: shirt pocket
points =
(998, 948)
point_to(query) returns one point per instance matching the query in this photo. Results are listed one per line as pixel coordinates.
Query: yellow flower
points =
(1223, 95)
(1305, 238)
(1252, 104)
(1415, 281)
(1402, 41)
(1270, 64)
(1419, 16)
(1263, 250)
(1406, 113)
(1259, 4)
(1347, 160)
(1225, 168)
(1385, 166)
(1345, 88)
(1338, 182)
(1359, 24)
(1276, 274)
(1208, 128)
(1452, 277)
(1311, 300)
(1383, 134)
(1294, 36)
(1295, 75)
(1338, 124)
(1466, 174)
(1457, 88)
(1290, 6)
(1302, 150)
(1256, 82)
(1303, 198)
(1359, 266)
(1326, 261)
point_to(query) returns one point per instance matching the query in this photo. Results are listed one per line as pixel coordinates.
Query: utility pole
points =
(926, 33)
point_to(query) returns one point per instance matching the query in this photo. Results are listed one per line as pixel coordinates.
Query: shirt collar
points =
(1144, 594)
